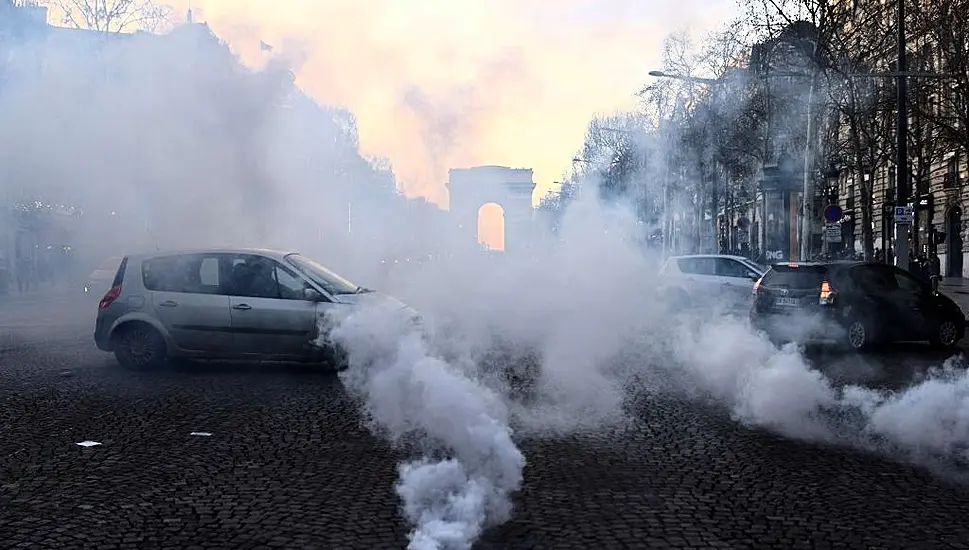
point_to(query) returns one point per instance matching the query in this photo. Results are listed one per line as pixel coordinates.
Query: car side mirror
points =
(752, 276)
(312, 295)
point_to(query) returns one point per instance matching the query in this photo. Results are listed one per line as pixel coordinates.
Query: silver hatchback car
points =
(222, 304)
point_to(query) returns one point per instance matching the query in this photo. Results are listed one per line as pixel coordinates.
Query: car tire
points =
(948, 333)
(858, 335)
(138, 346)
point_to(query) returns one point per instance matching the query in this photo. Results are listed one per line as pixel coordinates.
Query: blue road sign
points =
(833, 213)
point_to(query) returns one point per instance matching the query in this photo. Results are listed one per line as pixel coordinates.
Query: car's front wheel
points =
(948, 333)
(139, 346)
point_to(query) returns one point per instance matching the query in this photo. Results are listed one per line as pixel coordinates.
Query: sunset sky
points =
(438, 84)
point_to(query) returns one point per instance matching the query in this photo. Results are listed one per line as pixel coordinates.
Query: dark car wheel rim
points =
(856, 335)
(139, 346)
(948, 333)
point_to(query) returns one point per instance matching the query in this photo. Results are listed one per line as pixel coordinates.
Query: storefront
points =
(780, 205)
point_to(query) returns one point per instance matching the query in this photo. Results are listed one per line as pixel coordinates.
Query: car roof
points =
(277, 254)
(835, 263)
(702, 256)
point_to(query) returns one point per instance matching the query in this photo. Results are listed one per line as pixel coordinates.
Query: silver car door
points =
(270, 315)
(186, 298)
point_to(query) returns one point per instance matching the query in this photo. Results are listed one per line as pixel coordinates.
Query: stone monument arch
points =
(511, 188)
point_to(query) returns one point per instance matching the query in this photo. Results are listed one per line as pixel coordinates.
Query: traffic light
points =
(937, 237)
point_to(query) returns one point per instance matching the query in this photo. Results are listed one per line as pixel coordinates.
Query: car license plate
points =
(785, 302)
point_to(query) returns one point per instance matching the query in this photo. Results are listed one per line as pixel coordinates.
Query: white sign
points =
(832, 232)
(775, 254)
(903, 214)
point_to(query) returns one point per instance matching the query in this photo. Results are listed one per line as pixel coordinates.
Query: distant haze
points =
(437, 84)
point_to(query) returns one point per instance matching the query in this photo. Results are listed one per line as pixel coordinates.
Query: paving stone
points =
(288, 466)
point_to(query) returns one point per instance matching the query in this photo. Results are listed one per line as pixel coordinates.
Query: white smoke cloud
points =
(411, 394)
(216, 154)
(588, 309)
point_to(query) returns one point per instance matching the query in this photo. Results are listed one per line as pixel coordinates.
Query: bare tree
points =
(710, 121)
(854, 122)
(736, 119)
(615, 148)
(942, 24)
(857, 45)
(112, 15)
(681, 111)
(927, 142)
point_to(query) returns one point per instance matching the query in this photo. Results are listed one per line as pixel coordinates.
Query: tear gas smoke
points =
(168, 141)
(588, 309)
(194, 150)
(412, 395)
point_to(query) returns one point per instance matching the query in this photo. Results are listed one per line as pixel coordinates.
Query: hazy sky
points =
(440, 84)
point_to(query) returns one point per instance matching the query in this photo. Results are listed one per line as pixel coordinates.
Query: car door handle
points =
(169, 303)
(242, 306)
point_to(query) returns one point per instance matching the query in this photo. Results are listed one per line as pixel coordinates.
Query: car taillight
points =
(109, 297)
(827, 295)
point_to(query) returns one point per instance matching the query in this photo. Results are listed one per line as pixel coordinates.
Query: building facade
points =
(937, 164)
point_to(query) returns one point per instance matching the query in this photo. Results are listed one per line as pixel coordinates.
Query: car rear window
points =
(798, 276)
(111, 264)
(119, 275)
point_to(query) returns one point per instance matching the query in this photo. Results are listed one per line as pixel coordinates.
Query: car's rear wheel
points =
(139, 346)
(857, 335)
(948, 333)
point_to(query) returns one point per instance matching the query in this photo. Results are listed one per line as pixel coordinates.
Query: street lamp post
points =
(903, 190)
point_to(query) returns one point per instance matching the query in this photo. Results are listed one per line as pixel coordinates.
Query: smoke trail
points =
(603, 337)
(469, 465)
(778, 389)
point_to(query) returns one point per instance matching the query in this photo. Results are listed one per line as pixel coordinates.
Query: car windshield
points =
(331, 282)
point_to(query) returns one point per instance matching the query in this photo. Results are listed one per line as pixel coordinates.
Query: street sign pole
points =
(904, 216)
(832, 229)
(901, 244)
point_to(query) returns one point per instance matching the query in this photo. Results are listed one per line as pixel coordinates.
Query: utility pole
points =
(807, 198)
(903, 191)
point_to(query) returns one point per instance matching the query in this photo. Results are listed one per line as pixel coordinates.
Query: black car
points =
(857, 302)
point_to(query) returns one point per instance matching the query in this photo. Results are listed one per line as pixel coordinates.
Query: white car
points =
(709, 279)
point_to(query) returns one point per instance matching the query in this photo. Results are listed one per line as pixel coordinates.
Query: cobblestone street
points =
(287, 465)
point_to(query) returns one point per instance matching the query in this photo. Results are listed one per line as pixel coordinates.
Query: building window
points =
(951, 180)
